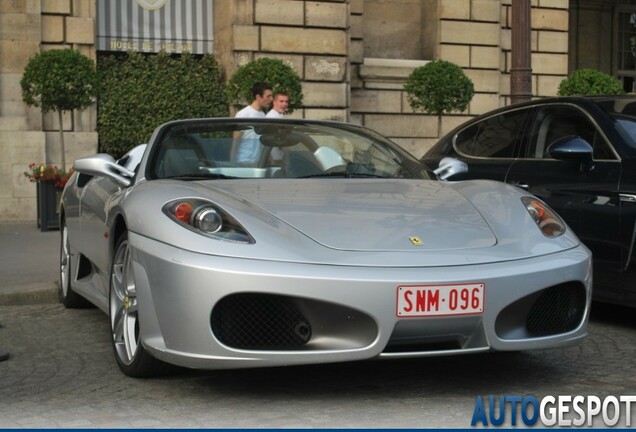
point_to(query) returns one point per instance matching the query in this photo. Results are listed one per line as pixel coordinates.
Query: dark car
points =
(578, 154)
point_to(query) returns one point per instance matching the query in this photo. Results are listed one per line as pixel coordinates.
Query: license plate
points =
(439, 300)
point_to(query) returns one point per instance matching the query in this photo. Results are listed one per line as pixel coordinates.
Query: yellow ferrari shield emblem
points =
(416, 241)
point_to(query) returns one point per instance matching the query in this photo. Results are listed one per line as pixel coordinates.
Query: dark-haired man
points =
(262, 94)
(247, 148)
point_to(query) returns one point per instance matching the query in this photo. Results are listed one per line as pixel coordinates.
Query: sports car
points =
(330, 244)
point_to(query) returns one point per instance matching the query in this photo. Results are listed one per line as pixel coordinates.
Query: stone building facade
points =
(603, 37)
(26, 135)
(352, 55)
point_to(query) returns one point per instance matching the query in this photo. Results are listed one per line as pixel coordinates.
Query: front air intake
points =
(558, 309)
(255, 321)
(552, 311)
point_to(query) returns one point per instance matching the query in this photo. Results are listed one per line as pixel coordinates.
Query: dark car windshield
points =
(252, 148)
(622, 113)
(626, 126)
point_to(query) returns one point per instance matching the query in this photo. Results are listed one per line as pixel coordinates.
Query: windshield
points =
(626, 126)
(251, 148)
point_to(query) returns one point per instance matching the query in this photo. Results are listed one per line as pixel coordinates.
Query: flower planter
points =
(48, 205)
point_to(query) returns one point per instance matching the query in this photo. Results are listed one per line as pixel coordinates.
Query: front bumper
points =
(350, 311)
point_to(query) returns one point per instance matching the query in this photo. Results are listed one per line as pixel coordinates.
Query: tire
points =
(69, 298)
(132, 358)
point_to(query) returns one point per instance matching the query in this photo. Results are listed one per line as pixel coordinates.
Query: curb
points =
(31, 297)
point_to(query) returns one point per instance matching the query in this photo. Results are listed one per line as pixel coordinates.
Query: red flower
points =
(50, 173)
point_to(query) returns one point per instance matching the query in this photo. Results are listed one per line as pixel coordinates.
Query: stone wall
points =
(474, 34)
(349, 66)
(26, 135)
(309, 36)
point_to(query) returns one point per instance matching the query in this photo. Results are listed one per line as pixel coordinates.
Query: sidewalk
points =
(29, 261)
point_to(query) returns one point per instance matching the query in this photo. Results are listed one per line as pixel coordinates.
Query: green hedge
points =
(139, 92)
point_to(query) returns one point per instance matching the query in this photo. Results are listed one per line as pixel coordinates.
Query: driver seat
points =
(301, 164)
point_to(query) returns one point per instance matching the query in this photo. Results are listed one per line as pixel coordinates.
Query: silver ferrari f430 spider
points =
(234, 243)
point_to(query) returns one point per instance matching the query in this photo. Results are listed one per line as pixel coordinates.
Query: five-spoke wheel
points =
(132, 357)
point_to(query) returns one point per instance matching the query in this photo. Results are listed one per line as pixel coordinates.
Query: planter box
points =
(48, 205)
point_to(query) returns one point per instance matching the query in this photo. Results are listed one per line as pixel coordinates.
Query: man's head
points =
(262, 93)
(281, 102)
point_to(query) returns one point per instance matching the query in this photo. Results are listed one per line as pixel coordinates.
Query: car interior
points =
(284, 151)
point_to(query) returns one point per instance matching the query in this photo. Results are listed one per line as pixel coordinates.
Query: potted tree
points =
(56, 80)
(590, 82)
(439, 87)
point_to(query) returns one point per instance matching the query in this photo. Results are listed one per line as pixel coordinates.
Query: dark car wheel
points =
(131, 356)
(68, 297)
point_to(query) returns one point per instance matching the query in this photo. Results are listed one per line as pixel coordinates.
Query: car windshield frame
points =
(210, 149)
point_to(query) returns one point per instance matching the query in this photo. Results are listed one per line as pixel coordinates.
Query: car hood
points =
(364, 215)
(349, 222)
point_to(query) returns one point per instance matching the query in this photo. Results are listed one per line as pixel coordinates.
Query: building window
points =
(626, 67)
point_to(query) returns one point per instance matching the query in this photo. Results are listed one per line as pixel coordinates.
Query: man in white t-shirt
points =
(247, 148)
(279, 108)
(279, 105)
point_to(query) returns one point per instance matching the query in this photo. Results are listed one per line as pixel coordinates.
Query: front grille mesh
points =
(558, 309)
(259, 321)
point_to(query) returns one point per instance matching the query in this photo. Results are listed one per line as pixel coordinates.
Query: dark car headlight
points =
(550, 224)
(208, 219)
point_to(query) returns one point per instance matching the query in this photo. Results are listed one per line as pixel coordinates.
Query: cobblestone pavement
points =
(62, 374)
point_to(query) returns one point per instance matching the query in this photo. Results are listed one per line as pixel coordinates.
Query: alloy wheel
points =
(123, 306)
(65, 262)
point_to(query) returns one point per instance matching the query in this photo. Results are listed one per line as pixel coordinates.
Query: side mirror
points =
(448, 167)
(104, 165)
(572, 148)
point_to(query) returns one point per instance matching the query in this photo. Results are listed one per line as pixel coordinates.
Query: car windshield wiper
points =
(199, 176)
(344, 174)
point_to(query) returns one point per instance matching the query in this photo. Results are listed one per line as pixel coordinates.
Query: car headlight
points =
(550, 224)
(208, 219)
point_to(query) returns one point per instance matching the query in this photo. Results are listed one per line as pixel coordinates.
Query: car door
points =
(628, 231)
(488, 146)
(587, 197)
(625, 144)
(94, 204)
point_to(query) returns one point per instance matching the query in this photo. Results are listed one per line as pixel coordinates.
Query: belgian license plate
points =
(439, 300)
